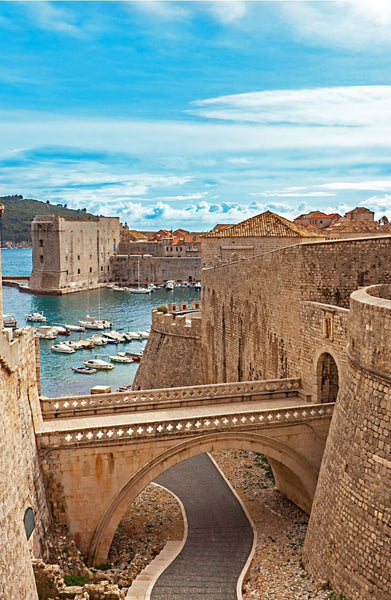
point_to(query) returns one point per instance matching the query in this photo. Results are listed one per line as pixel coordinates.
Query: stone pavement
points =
(220, 537)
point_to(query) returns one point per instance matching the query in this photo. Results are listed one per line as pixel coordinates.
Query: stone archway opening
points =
(327, 378)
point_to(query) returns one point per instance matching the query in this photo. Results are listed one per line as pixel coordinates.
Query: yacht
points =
(170, 284)
(119, 358)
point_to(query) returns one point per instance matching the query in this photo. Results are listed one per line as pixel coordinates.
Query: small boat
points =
(133, 354)
(97, 363)
(86, 344)
(136, 358)
(9, 321)
(60, 330)
(62, 348)
(144, 335)
(74, 327)
(139, 290)
(97, 340)
(36, 317)
(197, 285)
(76, 345)
(121, 359)
(132, 335)
(152, 287)
(170, 284)
(114, 336)
(84, 370)
(110, 286)
(92, 325)
(117, 288)
(45, 332)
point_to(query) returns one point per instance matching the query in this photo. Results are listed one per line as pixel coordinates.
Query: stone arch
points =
(327, 378)
(283, 459)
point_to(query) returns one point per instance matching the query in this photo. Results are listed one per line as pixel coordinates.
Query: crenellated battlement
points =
(183, 319)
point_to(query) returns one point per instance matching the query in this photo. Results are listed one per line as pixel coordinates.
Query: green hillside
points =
(19, 212)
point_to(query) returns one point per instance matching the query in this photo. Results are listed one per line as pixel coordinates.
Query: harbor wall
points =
(172, 356)
(153, 269)
(21, 482)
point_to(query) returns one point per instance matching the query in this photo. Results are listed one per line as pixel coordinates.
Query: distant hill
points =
(19, 212)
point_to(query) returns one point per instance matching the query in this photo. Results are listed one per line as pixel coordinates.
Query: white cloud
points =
(329, 106)
(227, 12)
(381, 186)
(348, 24)
(52, 18)
(291, 194)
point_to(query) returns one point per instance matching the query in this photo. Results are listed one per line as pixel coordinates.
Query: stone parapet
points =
(53, 408)
(179, 319)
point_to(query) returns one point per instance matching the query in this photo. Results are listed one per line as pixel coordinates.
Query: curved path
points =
(220, 537)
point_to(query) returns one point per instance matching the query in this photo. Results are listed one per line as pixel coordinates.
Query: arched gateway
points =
(327, 378)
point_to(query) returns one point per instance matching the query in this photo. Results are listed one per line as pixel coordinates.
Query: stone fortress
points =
(318, 311)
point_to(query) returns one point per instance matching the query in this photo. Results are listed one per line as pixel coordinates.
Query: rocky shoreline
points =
(276, 570)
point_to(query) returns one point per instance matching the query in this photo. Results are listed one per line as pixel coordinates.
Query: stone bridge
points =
(99, 452)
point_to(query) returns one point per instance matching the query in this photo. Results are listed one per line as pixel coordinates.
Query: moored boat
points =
(36, 317)
(60, 330)
(74, 327)
(121, 359)
(84, 370)
(97, 363)
(9, 321)
(62, 348)
(45, 332)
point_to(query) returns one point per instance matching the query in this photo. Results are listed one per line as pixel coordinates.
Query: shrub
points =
(73, 579)
(162, 309)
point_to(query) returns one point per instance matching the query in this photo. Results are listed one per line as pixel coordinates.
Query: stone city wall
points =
(152, 248)
(252, 315)
(172, 357)
(349, 541)
(21, 481)
(153, 269)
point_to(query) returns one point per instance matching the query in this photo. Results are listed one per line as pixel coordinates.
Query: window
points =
(41, 243)
(78, 257)
(41, 259)
(78, 271)
(90, 269)
(101, 268)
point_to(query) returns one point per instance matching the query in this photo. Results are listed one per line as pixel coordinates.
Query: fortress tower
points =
(349, 537)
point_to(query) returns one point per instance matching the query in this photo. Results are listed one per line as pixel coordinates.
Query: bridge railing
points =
(132, 401)
(136, 429)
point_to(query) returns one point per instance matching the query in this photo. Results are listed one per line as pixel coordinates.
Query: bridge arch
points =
(292, 471)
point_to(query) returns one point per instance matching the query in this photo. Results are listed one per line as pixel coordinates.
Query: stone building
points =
(318, 219)
(360, 213)
(71, 255)
(144, 268)
(262, 233)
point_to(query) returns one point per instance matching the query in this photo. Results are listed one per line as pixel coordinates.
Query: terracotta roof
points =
(136, 234)
(359, 209)
(358, 227)
(266, 224)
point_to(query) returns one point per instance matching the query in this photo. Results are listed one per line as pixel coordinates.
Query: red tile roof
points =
(267, 224)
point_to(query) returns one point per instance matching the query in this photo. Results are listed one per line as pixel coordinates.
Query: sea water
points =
(127, 312)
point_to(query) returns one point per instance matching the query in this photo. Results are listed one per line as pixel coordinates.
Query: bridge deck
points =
(178, 421)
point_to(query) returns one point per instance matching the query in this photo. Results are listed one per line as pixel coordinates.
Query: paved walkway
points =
(219, 539)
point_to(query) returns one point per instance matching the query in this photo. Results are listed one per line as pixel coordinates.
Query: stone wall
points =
(69, 255)
(254, 324)
(153, 269)
(172, 356)
(215, 250)
(21, 481)
(349, 540)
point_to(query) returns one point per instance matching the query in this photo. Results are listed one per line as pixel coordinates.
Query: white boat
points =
(45, 332)
(152, 287)
(117, 288)
(84, 370)
(144, 335)
(74, 327)
(132, 335)
(97, 325)
(114, 336)
(139, 290)
(9, 321)
(170, 284)
(62, 348)
(197, 285)
(134, 354)
(97, 363)
(36, 317)
(121, 359)
(76, 345)
(60, 330)
(97, 340)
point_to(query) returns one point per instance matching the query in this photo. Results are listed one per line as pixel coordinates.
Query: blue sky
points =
(189, 114)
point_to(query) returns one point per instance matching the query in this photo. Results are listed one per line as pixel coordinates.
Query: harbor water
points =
(127, 312)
